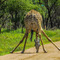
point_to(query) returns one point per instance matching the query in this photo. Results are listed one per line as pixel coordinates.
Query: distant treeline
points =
(12, 12)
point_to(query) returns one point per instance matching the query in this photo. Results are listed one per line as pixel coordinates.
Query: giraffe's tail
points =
(31, 35)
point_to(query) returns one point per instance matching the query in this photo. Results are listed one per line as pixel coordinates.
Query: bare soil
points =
(30, 54)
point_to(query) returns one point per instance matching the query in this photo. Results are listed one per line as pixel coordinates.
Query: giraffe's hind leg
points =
(25, 43)
(42, 43)
(50, 40)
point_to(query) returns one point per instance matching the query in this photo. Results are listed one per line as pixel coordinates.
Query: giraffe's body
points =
(33, 21)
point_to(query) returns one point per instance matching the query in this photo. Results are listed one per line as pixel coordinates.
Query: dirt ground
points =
(30, 54)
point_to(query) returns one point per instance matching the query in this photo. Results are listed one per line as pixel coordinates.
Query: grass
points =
(9, 40)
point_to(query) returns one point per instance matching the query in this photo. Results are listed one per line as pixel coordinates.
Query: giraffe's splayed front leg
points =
(37, 45)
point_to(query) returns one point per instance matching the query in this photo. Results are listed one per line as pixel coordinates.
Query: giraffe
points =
(33, 21)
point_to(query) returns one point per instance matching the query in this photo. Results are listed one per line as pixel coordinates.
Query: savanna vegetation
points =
(9, 40)
(12, 29)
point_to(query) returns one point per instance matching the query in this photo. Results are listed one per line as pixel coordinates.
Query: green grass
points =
(9, 40)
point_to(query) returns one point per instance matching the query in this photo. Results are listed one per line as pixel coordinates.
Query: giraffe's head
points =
(37, 44)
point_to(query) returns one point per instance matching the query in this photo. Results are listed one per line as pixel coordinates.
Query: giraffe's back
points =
(32, 20)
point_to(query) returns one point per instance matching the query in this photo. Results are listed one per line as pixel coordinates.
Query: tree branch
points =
(46, 4)
(53, 5)
(1, 15)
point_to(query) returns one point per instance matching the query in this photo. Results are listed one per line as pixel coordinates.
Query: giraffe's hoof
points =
(11, 52)
(45, 51)
(22, 52)
(36, 51)
(59, 49)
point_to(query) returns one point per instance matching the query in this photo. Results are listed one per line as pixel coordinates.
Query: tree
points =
(17, 9)
(49, 4)
(2, 12)
(14, 8)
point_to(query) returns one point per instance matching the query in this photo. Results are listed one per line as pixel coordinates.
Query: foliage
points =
(13, 12)
(2, 12)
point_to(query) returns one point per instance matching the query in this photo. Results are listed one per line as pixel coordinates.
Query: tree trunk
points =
(22, 30)
(50, 18)
(0, 30)
(15, 26)
(58, 25)
(47, 22)
(43, 21)
(51, 23)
